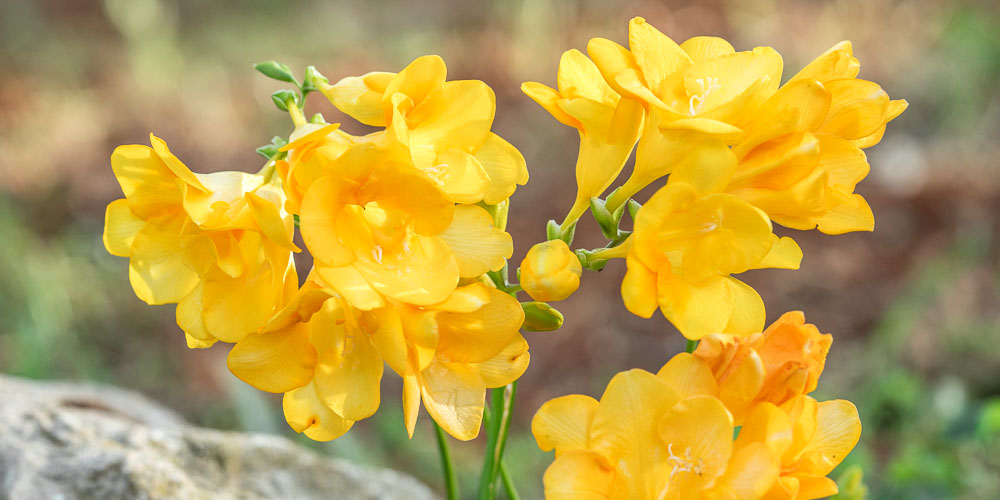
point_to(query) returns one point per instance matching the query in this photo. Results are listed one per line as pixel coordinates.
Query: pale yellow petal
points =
(505, 167)
(579, 77)
(352, 285)
(305, 412)
(454, 396)
(838, 429)
(275, 361)
(415, 81)
(477, 336)
(626, 419)
(120, 228)
(702, 48)
(689, 376)
(424, 273)
(506, 366)
(564, 423)
(460, 175)
(458, 113)
(360, 97)
(657, 55)
(147, 183)
(580, 475)
(785, 254)
(268, 217)
(478, 246)
(157, 270)
(349, 366)
(549, 99)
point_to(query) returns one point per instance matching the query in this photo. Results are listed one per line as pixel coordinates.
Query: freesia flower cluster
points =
(402, 225)
(406, 227)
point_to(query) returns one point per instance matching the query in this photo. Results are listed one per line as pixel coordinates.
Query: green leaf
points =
(276, 70)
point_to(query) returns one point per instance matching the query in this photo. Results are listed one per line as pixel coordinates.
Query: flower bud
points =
(550, 271)
(540, 317)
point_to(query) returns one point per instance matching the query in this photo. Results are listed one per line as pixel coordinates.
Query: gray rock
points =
(72, 440)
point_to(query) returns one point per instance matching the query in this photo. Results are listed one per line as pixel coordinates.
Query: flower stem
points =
(691, 346)
(497, 426)
(508, 483)
(447, 467)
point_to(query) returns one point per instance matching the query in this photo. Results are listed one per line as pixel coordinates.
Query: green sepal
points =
(318, 119)
(276, 70)
(312, 76)
(553, 231)
(541, 317)
(608, 221)
(270, 151)
(587, 262)
(633, 209)
(281, 98)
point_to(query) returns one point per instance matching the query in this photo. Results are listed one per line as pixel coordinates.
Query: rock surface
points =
(71, 440)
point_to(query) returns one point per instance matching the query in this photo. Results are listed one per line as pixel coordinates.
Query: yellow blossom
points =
(781, 363)
(443, 125)
(217, 244)
(550, 271)
(646, 439)
(608, 124)
(688, 241)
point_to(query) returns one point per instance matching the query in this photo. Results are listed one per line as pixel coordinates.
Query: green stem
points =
(447, 468)
(691, 346)
(508, 483)
(497, 427)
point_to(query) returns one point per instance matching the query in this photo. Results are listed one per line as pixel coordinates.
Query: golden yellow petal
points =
(696, 309)
(689, 376)
(268, 217)
(785, 254)
(505, 167)
(321, 207)
(639, 288)
(361, 97)
(506, 366)
(147, 183)
(465, 299)
(655, 53)
(838, 429)
(275, 361)
(454, 396)
(349, 366)
(174, 164)
(579, 77)
(742, 385)
(424, 273)
(612, 60)
(850, 212)
(707, 168)
(352, 285)
(845, 164)
(625, 422)
(458, 113)
(460, 175)
(836, 63)
(702, 427)
(120, 228)
(549, 99)
(766, 424)
(857, 109)
(196, 343)
(305, 412)
(580, 475)
(563, 423)
(477, 336)
(751, 472)
(411, 402)
(236, 307)
(812, 487)
(702, 48)
(415, 81)
(478, 246)
(157, 270)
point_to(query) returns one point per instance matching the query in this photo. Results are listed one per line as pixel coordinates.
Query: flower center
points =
(684, 463)
(708, 85)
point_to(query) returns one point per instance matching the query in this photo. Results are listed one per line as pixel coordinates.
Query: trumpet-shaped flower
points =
(217, 244)
(550, 271)
(608, 124)
(689, 240)
(647, 439)
(444, 126)
(775, 366)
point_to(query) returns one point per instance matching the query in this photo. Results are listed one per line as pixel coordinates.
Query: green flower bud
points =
(541, 317)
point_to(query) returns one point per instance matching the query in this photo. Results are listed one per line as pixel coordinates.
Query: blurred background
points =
(914, 307)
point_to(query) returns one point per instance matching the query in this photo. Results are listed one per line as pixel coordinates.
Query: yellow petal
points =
(506, 366)
(836, 63)
(477, 336)
(454, 396)
(423, 274)
(466, 299)
(696, 309)
(857, 108)
(549, 99)
(707, 168)
(505, 167)
(657, 55)
(411, 402)
(626, 420)
(174, 164)
(349, 366)
(416, 81)
(580, 475)
(321, 206)
(613, 60)
(268, 217)
(702, 48)
(811, 487)
(457, 113)
(702, 425)
(360, 97)
(748, 309)
(563, 423)
(785, 254)
(742, 385)
(797, 106)
(838, 429)
(751, 472)
(275, 361)
(196, 343)
(352, 285)
(305, 412)
(236, 307)
(689, 376)
(844, 163)
(460, 176)
(156, 267)
(579, 77)
(120, 228)
(147, 183)
(767, 424)
(849, 213)
(639, 288)
(478, 246)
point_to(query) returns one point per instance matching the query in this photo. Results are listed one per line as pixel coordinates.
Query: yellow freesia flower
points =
(550, 271)
(608, 124)
(781, 363)
(217, 244)
(443, 125)
(648, 439)
(689, 239)
(327, 357)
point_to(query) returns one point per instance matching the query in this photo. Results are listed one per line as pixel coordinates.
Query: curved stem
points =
(497, 427)
(508, 482)
(447, 467)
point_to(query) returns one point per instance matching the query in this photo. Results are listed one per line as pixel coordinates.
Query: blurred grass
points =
(914, 307)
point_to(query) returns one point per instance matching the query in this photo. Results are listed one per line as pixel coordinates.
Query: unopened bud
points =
(541, 317)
